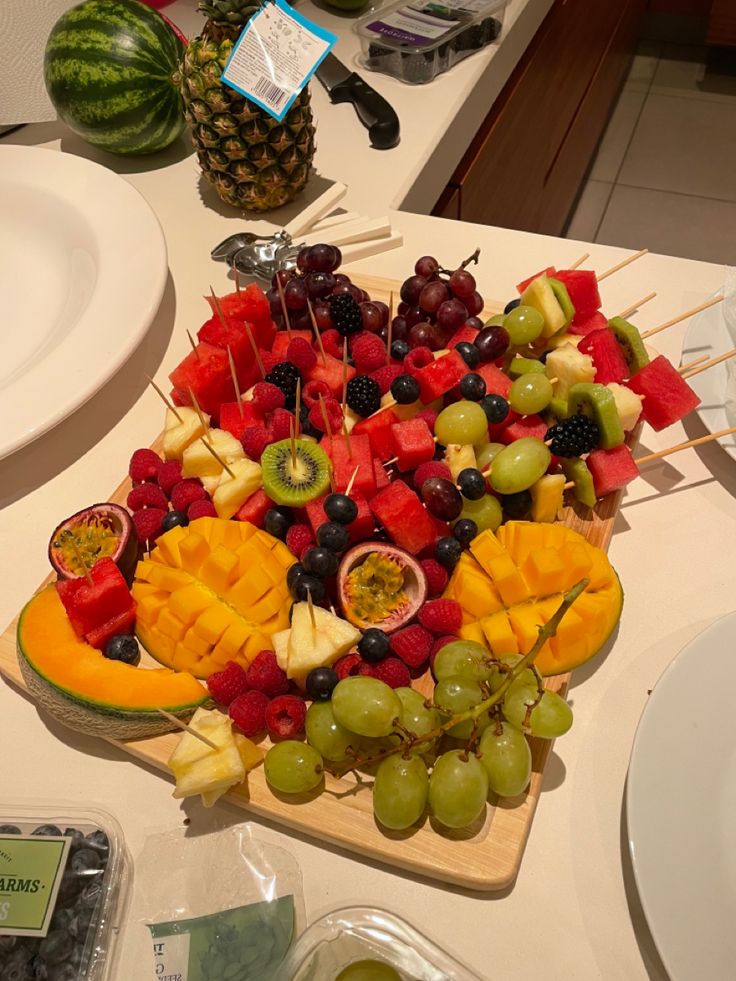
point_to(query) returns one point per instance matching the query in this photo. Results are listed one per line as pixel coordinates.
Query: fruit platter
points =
(346, 585)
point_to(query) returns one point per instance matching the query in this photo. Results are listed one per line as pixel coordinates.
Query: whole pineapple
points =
(254, 162)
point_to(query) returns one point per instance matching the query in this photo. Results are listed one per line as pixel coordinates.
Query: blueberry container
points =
(357, 933)
(417, 41)
(64, 872)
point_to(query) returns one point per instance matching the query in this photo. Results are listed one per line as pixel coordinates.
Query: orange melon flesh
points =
(47, 641)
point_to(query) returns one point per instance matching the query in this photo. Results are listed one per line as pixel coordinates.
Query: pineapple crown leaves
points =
(234, 13)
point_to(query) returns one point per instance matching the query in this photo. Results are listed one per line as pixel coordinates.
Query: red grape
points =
(282, 276)
(383, 308)
(462, 283)
(274, 302)
(319, 284)
(414, 316)
(341, 278)
(474, 303)
(400, 329)
(323, 317)
(372, 316)
(295, 294)
(426, 266)
(442, 498)
(451, 314)
(411, 288)
(432, 295)
(300, 320)
(322, 258)
(474, 322)
(492, 342)
(421, 335)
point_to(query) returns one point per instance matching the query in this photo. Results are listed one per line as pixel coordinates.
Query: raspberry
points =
(433, 468)
(186, 492)
(201, 509)
(147, 496)
(301, 353)
(412, 644)
(269, 360)
(147, 523)
(299, 538)
(369, 352)
(168, 475)
(332, 343)
(385, 375)
(436, 576)
(267, 397)
(264, 674)
(437, 646)
(144, 465)
(226, 685)
(429, 416)
(348, 665)
(418, 358)
(365, 670)
(312, 391)
(392, 672)
(280, 426)
(254, 440)
(285, 716)
(333, 410)
(248, 712)
(441, 616)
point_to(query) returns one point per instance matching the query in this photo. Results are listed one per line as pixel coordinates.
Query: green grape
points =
(461, 422)
(292, 767)
(457, 789)
(507, 759)
(530, 393)
(519, 465)
(523, 325)
(365, 705)
(328, 737)
(487, 453)
(368, 970)
(552, 717)
(527, 677)
(464, 658)
(496, 321)
(400, 791)
(455, 695)
(486, 512)
(416, 717)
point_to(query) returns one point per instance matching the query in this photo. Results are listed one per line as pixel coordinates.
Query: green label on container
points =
(31, 868)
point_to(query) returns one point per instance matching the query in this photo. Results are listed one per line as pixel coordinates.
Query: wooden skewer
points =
(284, 310)
(297, 409)
(683, 316)
(234, 374)
(390, 328)
(186, 728)
(217, 456)
(317, 334)
(256, 352)
(636, 306)
(236, 278)
(292, 438)
(218, 308)
(581, 260)
(194, 346)
(393, 459)
(346, 434)
(325, 417)
(311, 609)
(352, 480)
(691, 364)
(169, 405)
(620, 265)
(709, 364)
(80, 560)
(685, 446)
(196, 405)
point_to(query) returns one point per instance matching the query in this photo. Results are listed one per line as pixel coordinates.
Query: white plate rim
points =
(131, 279)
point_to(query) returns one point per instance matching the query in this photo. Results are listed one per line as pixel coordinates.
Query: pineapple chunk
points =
(201, 770)
(280, 642)
(458, 457)
(231, 492)
(628, 405)
(197, 461)
(569, 366)
(547, 494)
(319, 645)
(179, 433)
(539, 295)
(210, 723)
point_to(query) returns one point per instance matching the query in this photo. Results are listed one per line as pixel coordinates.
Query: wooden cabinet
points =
(722, 23)
(525, 165)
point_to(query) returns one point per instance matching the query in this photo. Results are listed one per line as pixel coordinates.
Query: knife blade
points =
(373, 110)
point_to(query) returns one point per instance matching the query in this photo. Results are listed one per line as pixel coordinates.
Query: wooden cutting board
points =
(485, 856)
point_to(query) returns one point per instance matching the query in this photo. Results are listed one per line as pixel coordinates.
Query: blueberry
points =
(439, 451)
(399, 350)
(47, 830)
(309, 586)
(85, 860)
(469, 353)
(405, 389)
(373, 645)
(100, 842)
(512, 305)
(320, 562)
(293, 576)
(10, 829)
(471, 483)
(277, 522)
(517, 507)
(61, 919)
(69, 887)
(174, 519)
(122, 647)
(64, 972)
(15, 971)
(472, 387)
(321, 683)
(340, 508)
(447, 551)
(333, 536)
(80, 923)
(91, 894)
(465, 530)
(77, 836)
(56, 946)
(495, 407)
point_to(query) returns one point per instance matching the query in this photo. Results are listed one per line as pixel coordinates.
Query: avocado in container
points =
(419, 40)
(64, 872)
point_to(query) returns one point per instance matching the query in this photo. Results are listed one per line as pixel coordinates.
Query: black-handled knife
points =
(372, 109)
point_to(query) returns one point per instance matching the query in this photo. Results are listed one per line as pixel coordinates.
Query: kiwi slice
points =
(293, 478)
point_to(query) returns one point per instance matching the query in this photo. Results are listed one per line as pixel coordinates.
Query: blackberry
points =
(285, 376)
(363, 395)
(346, 316)
(574, 436)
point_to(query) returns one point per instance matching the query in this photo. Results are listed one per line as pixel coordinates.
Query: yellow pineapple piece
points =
(182, 428)
(458, 457)
(547, 494)
(236, 486)
(197, 461)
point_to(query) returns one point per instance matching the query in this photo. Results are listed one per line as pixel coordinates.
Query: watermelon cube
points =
(413, 443)
(497, 381)
(549, 271)
(330, 371)
(282, 340)
(254, 508)
(347, 455)
(667, 396)
(206, 371)
(250, 304)
(465, 335)
(532, 425)
(380, 472)
(359, 529)
(236, 417)
(93, 605)
(378, 429)
(582, 288)
(440, 376)
(584, 325)
(611, 469)
(608, 358)
(400, 512)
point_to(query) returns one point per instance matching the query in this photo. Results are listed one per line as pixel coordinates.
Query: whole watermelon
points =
(108, 71)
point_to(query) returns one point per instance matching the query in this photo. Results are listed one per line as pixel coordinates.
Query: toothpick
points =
(393, 459)
(317, 334)
(581, 260)
(620, 265)
(344, 398)
(236, 278)
(196, 405)
(390, 326)
(635, 306)
(311, 609)
(325, 417)
(285, 312)
(292, 438)
(333, 485)
(234, 375)
(256, 353)
(709, 364)
(691, 364)
(352, 480)
(218, 308)
(683, 316)
(186, 728)
(194, 346)
(80, 560)
(297, 408)
(169, 405)
(217, 456)
(684, 446)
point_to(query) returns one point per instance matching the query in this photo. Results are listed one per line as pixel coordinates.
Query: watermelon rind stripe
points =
(90, 38)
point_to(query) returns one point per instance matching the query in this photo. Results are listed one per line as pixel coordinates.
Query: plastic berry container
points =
(415, 42)
(357, 933)
(64, 872)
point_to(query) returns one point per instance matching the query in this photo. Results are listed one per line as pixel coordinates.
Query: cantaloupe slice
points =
(509, 584)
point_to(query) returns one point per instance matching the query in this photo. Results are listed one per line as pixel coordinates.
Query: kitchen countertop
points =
(573, 912)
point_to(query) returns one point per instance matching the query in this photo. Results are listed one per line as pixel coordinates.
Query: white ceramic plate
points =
(681, 808)
(708, 334)
(82, 273)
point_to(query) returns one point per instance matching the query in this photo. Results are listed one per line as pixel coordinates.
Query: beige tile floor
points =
(664, 175)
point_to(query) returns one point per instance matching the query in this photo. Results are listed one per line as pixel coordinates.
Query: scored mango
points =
(509, 584)
(210, 593)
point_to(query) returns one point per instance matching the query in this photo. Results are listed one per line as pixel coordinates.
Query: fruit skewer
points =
(622, 264)
(683, 316)
(632, 308)
(709, 364)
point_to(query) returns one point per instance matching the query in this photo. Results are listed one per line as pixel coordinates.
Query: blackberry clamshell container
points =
(61, 902)
(417, 41)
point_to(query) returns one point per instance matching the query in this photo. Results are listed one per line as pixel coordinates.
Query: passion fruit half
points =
(96, 532)
(380, 586)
